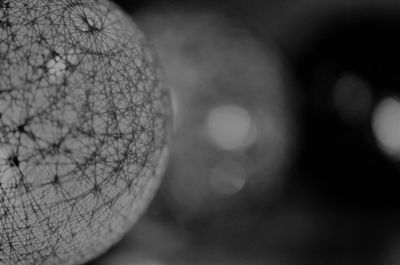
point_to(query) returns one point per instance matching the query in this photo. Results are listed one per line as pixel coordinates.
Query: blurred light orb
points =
(386, 125)
(228, 177)
(232, 98)
(84, 124)
(230, 127)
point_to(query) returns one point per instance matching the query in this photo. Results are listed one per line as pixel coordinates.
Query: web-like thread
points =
(83, 127)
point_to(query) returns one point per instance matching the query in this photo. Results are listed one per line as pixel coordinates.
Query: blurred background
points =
(286, 144)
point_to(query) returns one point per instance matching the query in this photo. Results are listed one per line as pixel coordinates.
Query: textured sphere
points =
(84, 120)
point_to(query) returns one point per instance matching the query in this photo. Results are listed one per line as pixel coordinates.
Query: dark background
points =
(339, 175)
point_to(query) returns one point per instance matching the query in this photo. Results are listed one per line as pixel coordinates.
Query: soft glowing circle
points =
(84, 124)
(233, 102)
(228, 177)
(230, 127)
(386, 125)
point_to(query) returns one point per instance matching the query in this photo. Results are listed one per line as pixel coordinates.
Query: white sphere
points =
(84, 121)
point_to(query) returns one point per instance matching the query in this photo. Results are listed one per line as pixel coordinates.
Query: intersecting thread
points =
(83, 125)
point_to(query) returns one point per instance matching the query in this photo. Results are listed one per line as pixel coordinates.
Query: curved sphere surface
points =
(84, 119)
